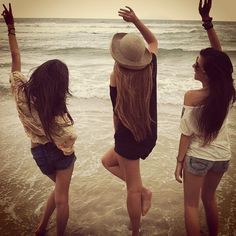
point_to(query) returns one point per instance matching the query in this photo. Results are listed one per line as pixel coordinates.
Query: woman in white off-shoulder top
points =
(204, 150)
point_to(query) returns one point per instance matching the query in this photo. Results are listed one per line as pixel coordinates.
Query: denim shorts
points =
(50, 159)
(198, 166)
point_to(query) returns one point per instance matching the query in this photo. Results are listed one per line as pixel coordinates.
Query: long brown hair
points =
(134, 88)
(48, 88)
(219, 70)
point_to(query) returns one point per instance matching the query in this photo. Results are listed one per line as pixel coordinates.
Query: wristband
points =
(207, 24)
(11, 31)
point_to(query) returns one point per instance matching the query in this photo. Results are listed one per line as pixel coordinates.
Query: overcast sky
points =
(145, 9)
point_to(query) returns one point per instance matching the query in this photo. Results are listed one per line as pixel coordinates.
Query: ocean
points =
(97, 200)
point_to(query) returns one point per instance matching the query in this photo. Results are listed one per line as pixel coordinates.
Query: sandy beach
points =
(97, 199)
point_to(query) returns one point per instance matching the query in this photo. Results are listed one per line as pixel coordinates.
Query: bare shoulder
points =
(194, 97)
(112, 80)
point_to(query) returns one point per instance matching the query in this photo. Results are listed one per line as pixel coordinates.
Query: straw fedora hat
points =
(128, 49)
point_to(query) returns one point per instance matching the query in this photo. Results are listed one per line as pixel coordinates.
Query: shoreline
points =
(97, 199)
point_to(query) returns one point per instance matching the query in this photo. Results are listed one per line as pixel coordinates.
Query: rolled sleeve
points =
(16, 80)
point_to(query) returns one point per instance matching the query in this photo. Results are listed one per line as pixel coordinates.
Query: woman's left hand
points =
(128, 15)
(179, 172)
(7, 15)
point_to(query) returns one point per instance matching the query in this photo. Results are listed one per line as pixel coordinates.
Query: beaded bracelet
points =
(10, 31)
(207, 24)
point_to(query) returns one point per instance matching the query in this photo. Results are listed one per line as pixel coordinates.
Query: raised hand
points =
(128, 15)
(205, 9)
(7, 15)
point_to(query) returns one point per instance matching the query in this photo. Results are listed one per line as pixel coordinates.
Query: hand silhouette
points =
(7, 15)
(205, 9)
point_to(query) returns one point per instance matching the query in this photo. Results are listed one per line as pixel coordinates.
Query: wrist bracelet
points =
(207, 24)
(11, 31)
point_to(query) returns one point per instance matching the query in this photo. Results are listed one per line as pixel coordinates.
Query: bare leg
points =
(111, 163)
(210, 184)
(192, 187)
(49, 208)
(63, 178)
(131, 172)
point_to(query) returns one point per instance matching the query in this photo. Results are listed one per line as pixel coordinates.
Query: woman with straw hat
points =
(133, 96)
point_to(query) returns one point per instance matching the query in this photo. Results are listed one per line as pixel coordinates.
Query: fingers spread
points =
(200, 5)
(209, 3)
(10, 8)
(123, 14)
(4, 7)
(124, 10)
(129, 8)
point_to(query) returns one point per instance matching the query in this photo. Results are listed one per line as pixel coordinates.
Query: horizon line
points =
(94, 18)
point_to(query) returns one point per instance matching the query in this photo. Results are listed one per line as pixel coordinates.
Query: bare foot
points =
(146, 201)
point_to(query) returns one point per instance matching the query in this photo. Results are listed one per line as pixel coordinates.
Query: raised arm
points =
(129, 16)
(15, 52)
(204, 11)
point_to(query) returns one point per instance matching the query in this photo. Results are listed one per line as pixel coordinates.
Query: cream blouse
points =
(217, 150)
(64, 135)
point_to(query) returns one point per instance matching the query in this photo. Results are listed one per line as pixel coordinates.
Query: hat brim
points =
(124, 62)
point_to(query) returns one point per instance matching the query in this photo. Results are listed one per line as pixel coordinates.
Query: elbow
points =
(153, 46)
(155, 42)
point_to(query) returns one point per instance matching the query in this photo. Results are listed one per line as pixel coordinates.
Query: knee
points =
(191, 203)
(207, 199)
(104, 162)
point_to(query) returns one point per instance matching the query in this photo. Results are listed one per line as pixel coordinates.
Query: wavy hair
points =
(47, 90)
(134, 88)
(219, 70)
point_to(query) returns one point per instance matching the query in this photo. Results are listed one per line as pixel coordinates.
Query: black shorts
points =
(50, 159)
(133, 151)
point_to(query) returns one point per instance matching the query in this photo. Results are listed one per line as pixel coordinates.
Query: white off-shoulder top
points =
(217, 150)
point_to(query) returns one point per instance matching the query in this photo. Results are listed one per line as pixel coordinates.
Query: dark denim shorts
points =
(198, 166)
(50, 159)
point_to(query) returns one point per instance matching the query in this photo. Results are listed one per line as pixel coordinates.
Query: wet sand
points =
(97, 199)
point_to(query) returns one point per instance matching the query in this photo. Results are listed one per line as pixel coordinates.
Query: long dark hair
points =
(47, 90)
(219, 69)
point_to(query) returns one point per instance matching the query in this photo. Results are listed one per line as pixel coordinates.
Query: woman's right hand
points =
(205, 9)
(7, 15)
(128, 15)
(179, 172)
